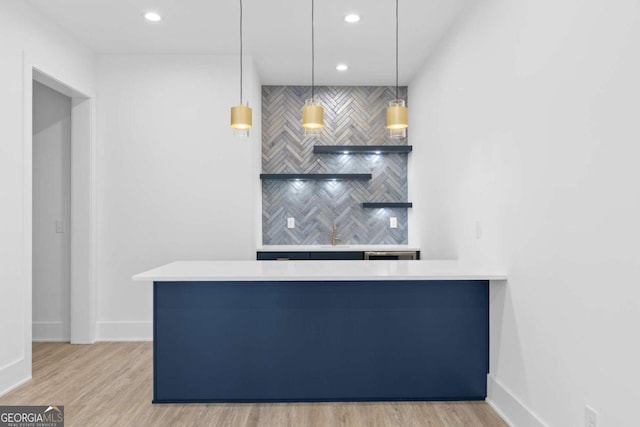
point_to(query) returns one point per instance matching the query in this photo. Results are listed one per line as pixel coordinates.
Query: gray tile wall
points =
(353, 115)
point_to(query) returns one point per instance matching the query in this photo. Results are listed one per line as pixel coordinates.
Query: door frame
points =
(83, 212)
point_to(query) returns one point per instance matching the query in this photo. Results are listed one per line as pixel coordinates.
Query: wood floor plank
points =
(110, 384)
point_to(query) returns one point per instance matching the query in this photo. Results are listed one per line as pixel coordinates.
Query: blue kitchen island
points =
(260, 331)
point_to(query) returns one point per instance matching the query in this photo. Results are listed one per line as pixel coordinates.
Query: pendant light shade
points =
(397, 115)
(312, 116)
(397, 112)
(241, 117)
(312, 113)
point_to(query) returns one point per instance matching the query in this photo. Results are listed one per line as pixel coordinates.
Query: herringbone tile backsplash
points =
(353, 115)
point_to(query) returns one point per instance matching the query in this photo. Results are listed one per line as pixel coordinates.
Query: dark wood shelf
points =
(316, 176)
(362, 149)
(387, 205)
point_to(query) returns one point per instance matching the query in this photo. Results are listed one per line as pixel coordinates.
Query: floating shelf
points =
(387, 205)
(362, 149)
(315, 176)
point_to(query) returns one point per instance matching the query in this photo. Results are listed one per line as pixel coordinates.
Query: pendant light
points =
(241, 119)
(312, 113)
(397, 112)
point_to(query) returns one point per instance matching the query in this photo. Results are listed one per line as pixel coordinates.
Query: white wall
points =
(51, 288)
(527, 118)
(173, 183)
(27, 40)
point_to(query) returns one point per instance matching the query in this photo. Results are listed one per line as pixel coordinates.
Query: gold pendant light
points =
(241, 119)
(397, 112)
(312, 113)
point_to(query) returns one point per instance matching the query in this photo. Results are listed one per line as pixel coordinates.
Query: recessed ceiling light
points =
(342, 67)
(352, 18)
(152, 16)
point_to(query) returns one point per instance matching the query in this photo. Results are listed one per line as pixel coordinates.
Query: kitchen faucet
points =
(334, 236)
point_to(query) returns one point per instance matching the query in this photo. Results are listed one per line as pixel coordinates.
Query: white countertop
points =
(336, 248)
(315, 271)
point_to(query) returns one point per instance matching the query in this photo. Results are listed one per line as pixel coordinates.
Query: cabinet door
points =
(282, 256)
(336, 255)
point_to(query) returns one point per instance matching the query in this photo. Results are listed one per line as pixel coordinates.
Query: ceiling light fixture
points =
(397, 112)
(152, 16)
(352, 18)
(342, 67)
(241, 119)
(312, 113)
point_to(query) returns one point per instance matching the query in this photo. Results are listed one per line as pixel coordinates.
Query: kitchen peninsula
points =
(250, 331)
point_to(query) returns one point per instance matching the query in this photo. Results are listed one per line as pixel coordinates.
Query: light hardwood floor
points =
(110, 384)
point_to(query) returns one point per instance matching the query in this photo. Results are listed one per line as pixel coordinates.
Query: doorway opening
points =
(62, 172)
(51, 268)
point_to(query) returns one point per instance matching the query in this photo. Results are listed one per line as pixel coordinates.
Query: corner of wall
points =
(14, 375)
(509, 407)
(255, 91)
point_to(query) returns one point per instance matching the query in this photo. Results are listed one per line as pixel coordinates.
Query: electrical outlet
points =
(590, 417)
(59, 226)
(393, 222)
(291, 223)
(478, 229)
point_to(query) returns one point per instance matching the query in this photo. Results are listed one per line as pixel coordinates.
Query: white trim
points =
(511, 409)
(124, 331)
(82, 223)
(50, 332)
(15, 386)
(499, 412)
(13, 373)
(55, 84)
(27, 212)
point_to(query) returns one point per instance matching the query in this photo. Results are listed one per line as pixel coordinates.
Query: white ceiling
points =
(277, 33)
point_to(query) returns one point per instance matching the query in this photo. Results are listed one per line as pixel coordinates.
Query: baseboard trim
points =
(511, 409)
(50, 332)
(499, 412)
(124, 331)
(12, 376)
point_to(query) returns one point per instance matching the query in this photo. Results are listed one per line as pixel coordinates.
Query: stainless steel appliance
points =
(373, 255)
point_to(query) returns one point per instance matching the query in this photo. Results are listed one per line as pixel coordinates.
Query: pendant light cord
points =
(397, 49)
(240, 52)
(313, 54)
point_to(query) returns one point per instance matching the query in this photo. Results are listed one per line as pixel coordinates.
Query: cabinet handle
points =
(282, 259)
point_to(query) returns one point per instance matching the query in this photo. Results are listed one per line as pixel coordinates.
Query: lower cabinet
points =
(282, 256)
(293, 256)
(336, 255)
